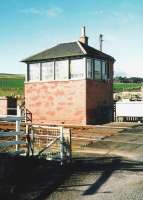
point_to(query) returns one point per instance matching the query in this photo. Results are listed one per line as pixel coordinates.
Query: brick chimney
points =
(83, 37)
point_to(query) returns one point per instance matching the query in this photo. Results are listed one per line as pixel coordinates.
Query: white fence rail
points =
(10, 143)
(10, 118)
(17, 119)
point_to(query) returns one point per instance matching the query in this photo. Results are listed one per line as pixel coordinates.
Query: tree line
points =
(121, 79)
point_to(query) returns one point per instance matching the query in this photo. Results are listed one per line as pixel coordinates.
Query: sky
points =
(30, 26)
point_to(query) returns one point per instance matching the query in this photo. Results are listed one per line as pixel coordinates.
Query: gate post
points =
(67, 144)
(29, 140)
(61, 145)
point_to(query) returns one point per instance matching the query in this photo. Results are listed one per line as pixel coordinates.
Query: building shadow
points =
(39, 178)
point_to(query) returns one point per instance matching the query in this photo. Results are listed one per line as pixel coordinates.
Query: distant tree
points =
(135, 80)
(121, 79)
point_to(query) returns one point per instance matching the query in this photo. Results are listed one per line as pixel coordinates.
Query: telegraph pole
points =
(101, 41)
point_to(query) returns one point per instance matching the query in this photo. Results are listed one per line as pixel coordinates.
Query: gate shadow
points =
(39, 178)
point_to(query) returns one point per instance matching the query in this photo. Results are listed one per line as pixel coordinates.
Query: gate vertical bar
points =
(32, 133)
(17, 126)
(61, 145)
(27, 140)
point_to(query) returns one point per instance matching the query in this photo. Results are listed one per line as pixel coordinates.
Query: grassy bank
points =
(120, 87)
(11, 84)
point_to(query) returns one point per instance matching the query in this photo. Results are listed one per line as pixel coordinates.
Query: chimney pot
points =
(83, 37)
(83, 31)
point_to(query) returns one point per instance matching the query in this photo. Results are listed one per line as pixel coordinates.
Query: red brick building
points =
(8, 105)
(71, 83)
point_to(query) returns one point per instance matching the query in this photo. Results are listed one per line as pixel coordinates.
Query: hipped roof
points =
(67, 50)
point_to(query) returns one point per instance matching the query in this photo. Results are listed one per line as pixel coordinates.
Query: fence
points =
(55, 141)
(17, 133)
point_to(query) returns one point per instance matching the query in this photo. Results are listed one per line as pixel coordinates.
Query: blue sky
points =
(29, 26)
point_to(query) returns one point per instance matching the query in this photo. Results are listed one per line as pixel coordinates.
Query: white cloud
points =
(33, 11)
(97, 12)
(51, 12)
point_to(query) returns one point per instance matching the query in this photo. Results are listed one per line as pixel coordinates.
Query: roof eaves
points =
(81, 47)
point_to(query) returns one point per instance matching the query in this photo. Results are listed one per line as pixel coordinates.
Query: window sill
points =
(62, 80)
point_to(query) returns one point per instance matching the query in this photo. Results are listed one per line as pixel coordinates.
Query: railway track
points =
(89, 131)
(81, 135)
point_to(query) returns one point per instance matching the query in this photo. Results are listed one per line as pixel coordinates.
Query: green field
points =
(120, 87)
(11, 84)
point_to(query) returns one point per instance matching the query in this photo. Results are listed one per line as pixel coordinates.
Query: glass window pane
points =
(34, 72)
(104, 75)
(61, 69)
(48, 71)
(77, 68)
(89, 68)
(108, 70)
(97, 69)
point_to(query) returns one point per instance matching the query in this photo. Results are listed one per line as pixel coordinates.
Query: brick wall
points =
(57, 102)
(3, 105)
(99, 101)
